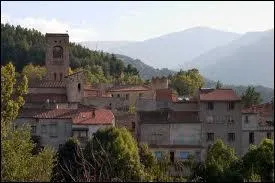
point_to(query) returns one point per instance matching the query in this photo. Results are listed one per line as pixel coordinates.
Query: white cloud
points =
(76, 33)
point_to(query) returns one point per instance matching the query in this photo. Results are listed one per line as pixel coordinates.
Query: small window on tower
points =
(79, 87)
(54, 76)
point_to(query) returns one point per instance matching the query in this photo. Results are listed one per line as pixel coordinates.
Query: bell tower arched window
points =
(57, 52)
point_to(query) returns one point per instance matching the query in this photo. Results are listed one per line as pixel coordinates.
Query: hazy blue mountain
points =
(147, 72)
(104, 45)
(175, 48)
(248, 60)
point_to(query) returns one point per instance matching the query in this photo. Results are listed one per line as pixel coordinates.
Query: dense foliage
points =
(250, 97)
(260, 161)
(24, 46)
(114, 155)
(186, 82)
(70, 163)
(18, 160)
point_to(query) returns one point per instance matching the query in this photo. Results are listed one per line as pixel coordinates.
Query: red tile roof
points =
(218, 95)
(34, 98)
(47, 84)
(263, 110)
(80, 116)
(129, 88)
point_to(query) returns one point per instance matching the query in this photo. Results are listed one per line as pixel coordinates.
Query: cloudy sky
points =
(136, 21)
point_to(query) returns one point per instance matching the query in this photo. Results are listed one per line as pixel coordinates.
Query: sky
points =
(136, 20)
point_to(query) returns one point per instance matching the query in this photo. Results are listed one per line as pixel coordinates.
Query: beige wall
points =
(133, 95)
(219, 124)
(63, 130)
(48, 90)
(185, 134)
(75, 94)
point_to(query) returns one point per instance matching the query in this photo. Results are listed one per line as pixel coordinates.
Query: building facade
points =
(220, 112)
(53, 106)
(257, 124)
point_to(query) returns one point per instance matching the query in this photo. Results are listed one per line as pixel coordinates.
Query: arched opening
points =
(57, 52)
(54, 75)
(79, 87)
(61, 76)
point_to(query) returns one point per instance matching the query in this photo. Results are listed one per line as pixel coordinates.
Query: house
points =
(220, 113)
(53, 106)
(169, 127)
(257, 124)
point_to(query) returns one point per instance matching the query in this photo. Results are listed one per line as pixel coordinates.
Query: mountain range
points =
(217, 54)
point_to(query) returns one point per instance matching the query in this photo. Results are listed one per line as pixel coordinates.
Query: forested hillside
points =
(22, 46)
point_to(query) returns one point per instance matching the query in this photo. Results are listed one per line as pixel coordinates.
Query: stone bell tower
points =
(57, 56)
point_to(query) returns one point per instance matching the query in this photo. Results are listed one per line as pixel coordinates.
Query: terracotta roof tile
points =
(47, 84)
(82, 115)
(218, 95)
(263, 110)
(129, 88)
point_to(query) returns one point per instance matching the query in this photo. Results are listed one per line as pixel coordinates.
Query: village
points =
(62, 106)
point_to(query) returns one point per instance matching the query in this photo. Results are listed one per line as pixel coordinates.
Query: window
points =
(112, 95)
(158, 154)
(210, 136)
(210, 105)
(33, 130)
(61, 76)
(43, 129)
(184, 155)
(172, 156)
(209, 119)
(118, 95)
(79, 87)
(231, 137)
(230, 119)
(268, 135)
(83, 133)
(251, 138)
(57, 52)
(53, 130)
(133, 125)
(54, 76)
(140, 95)
(127, 96)
(231, 105)
(246, 119)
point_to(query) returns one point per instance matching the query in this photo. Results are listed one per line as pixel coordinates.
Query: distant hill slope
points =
(104, 45)
(248, 60)
(175, 48)
(147, 72)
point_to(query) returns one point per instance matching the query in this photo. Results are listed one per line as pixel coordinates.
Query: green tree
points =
(221, 165)
(17, 161)
(70, 164)
(250, 97)
(218, 85)
(260, 161)
(34, 72)
(114, 154)
(186, 82)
